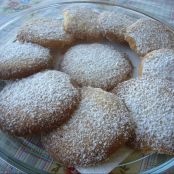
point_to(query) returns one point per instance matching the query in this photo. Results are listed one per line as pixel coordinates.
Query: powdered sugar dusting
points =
(113, 25)
(147, 35)
(100, 123)
(45, 31)
(37, 103)
(151, 102)
(97, 65)
(159, 63)
(16, 51)
(82, 23)
(16, 58)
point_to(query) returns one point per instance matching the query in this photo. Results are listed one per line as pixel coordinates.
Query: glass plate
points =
(27, 154)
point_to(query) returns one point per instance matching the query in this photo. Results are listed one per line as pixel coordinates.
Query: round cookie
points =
(151, 102)
(97, 65)
(96, 129)
(158, 63)
(82, 23)
(147, 35)
(48, 32)
(37, 103)
(19, 60)
(113, 25)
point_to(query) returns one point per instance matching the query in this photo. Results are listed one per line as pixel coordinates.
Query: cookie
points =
(113, 25)
(151, 102)
(147, 35)
(96, 65)
(82, 23)
(19, 60)
(37, 103)
(158, 63)
(48, 32)
(96, 129)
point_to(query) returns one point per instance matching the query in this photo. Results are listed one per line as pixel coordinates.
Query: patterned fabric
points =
(162, 9)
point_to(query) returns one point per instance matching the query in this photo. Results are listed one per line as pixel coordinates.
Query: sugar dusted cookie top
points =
(151, 102)
(37, 103)
(158, 63)
(19, 60)
(82, 23)
(97, 65)
(96, 129)
(48, 32)
(113, 25)
(147, 35)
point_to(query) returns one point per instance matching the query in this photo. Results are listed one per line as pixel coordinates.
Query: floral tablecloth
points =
(162, 9)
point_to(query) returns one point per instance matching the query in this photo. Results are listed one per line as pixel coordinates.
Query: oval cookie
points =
(147, 35)
(97, 128)
(158, 63)
(37, 103)
(113, 25)
(151, 102)
(19, 60)
(97, 65)
(48, 32)
(82, 23)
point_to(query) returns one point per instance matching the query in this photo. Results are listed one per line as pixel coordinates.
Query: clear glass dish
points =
(27, 154)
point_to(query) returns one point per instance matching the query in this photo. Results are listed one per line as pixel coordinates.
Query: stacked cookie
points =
(91, 105)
